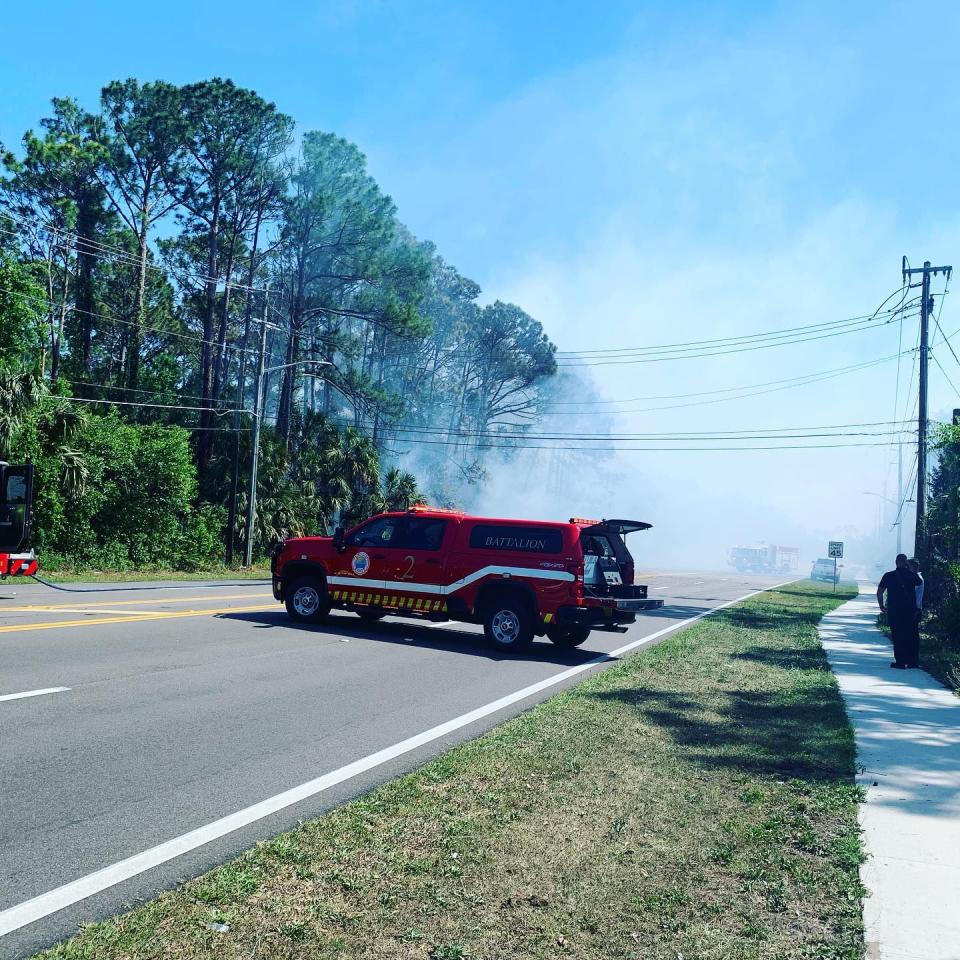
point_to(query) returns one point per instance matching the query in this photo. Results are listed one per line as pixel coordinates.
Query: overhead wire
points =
(745, 337)
(120, 320)
(718, 353)
(945, 374)
(893, 427)
(160, 392)
(711, 396)
(117, 253)
(616, 449)
(219, 411)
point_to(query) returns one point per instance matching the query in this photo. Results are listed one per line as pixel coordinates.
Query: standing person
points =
(913, 650)
(900, 586)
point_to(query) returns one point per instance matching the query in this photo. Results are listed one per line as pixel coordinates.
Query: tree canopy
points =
(144, 242)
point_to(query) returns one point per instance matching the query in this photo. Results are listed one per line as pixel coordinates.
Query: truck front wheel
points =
(568, 636)
(508, 624)
(307, 600)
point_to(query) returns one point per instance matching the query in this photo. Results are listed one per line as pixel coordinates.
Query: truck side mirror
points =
(339, 540)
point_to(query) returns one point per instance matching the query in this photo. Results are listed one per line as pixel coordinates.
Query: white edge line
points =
(33, 693)
(70, 893)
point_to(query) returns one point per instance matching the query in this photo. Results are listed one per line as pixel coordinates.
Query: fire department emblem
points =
(360, 563)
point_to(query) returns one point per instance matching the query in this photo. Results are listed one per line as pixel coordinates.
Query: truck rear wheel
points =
(508, 624)
(307, 600)
(568, 636)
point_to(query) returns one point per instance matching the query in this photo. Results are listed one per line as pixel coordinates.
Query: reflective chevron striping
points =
(442, 590)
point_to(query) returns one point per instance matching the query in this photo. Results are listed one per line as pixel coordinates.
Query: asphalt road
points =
(186, 703)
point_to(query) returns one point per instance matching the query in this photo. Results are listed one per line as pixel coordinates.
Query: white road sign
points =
(835, 549)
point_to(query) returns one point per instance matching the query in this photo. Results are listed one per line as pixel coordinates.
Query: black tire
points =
(371, 615)
(568, 636)
(307, 600)
(508, 624)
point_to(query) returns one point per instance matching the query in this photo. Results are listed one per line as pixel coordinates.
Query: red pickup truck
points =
(519, 578)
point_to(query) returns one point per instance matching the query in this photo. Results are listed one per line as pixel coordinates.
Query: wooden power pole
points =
(926, 301)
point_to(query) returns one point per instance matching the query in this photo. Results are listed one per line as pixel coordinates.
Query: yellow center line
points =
(140, 617)
(64, 610)
(127, 603)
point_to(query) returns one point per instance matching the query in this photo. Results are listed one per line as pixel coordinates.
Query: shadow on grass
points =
(788, 734)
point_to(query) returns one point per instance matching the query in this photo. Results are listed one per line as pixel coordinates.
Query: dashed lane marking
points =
(32, 693)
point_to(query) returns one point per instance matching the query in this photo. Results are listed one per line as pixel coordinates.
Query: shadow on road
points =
(675, 611)
(413, 634)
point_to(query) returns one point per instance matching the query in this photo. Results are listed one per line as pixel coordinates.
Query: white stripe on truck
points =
(442, 590)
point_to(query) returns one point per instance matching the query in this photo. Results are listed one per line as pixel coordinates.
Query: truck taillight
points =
(577, 570)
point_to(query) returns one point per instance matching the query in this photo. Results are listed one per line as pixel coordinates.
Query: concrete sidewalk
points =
(908, 759)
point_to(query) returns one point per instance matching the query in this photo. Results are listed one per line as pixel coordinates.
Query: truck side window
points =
(378, 533)
(16, 492)
(423, 533)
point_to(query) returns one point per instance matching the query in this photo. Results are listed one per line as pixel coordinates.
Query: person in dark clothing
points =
(901, 609)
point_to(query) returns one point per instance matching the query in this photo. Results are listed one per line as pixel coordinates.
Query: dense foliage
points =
(943, 529)
(145, 245)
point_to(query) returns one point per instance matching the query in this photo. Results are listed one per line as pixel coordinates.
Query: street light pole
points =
(259, 409)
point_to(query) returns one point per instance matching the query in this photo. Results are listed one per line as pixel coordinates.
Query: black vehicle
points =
(16, 503)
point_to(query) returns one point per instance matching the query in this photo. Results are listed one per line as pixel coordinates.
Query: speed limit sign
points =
(835, 549)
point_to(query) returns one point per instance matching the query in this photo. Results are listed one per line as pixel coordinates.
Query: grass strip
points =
(939, 651)
(695, 801)
(940, 654)
(82, 575)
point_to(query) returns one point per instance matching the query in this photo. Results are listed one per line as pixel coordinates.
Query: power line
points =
(852, 429)
(718, 353)
(129, 323)
(946, 339)
(789, 335)
(696, 345)
(220, 412)
(944, 372)
(906, 492)
(611, 449)
(160, 392)
(104, 251)
(739, 393)
(708, 393)
(749, 336)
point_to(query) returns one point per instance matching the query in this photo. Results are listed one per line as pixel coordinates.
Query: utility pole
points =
(255, 452)
(920, 535)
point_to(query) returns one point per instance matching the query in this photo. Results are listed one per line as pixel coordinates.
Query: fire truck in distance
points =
(765, 558)
(16, 502)
(519, 578)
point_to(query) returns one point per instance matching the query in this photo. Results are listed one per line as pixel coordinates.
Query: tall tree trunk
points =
(83, 296)
(288, 384)
(140, 308)
(206, 353)
(58, 320)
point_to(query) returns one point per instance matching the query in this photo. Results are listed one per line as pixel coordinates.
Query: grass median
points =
(695, 801)
(82, 575)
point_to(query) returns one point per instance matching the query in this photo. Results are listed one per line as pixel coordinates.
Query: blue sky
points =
(629, 173)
